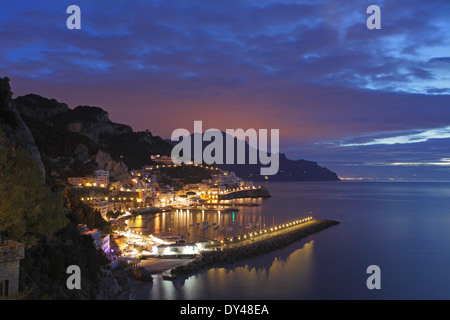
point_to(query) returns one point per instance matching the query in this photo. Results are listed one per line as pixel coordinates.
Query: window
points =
(4, 288)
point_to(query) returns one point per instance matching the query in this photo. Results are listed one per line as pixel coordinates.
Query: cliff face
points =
(39, 107)
(12, 124)
(76, 142)
(68, 138)
(134, 148)
(91, 122)
(118, 170)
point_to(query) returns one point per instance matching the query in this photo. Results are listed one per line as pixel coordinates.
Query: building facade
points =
(11, 252)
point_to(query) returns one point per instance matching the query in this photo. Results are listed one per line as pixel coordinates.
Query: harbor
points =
(170, 263)
(199, 224)
(181, 239)
(253, 246)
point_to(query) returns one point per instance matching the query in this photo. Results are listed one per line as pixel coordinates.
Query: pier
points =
(261, 234)
(229, 252)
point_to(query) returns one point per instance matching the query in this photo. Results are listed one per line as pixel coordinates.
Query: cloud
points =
(323, 42)
(439, 59)
(311, 69)
(424, 135)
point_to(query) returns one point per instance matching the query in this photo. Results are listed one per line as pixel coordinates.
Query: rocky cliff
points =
(82, 132)
(39, 107)
(117, 170)
(76, 142)
(12, 124)
(91, 122)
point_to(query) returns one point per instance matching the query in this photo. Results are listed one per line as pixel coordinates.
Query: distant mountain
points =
(289, 170)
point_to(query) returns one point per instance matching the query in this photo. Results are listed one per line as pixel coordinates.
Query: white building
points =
(176, 249)
(101, 241)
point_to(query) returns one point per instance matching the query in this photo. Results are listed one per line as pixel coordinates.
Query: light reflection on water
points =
(401, 227)
(194, 225)
(262, 277)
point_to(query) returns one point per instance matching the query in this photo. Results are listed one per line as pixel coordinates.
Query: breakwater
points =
(260, 192)
(236, 253)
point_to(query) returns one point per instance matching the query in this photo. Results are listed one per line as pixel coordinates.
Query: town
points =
(151, 193)
(203, 221)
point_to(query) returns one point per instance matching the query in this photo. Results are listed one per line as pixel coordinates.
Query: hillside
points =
(13, 126)
(36, 213)
(290, 170)
(74, 142)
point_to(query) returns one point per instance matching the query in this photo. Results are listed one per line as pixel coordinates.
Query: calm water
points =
(403, 227)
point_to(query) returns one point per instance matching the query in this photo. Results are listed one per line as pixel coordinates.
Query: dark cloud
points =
(440, 59)
(311, 69)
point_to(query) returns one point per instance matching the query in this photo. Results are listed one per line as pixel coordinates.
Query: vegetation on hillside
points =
(184, 174)
(28, 208)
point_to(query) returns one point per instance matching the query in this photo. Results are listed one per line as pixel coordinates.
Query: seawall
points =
(246, 193)
(239, 252)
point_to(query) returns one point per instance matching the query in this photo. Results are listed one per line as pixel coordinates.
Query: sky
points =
(364, 103)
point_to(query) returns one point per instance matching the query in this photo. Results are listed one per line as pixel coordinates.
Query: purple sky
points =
(361, 102)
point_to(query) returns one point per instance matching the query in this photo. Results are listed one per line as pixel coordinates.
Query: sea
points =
(402, 228)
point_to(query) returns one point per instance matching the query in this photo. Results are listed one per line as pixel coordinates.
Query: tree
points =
(28, 208)
(113, 214)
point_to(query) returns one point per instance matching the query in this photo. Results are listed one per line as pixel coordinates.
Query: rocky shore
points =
(230, 255)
